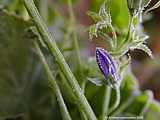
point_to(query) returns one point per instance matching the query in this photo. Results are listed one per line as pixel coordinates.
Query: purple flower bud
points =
(108, 66)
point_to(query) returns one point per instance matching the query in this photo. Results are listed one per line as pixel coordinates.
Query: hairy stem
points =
(54, 86)
(72, 97)
(52, 47)
(76, 47)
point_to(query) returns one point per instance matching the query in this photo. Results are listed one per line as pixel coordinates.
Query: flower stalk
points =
(117, 101)
(109, 69)
(106, 101)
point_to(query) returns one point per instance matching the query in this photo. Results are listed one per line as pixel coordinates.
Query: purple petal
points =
(103, 62)
(107, 64)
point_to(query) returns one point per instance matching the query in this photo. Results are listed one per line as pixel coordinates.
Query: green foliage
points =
(24, 88)
(120, 15)
(108, 18)
(24, 92)
(95, 5)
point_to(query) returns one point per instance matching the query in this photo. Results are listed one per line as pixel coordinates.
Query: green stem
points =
(70, 93)
(52, 46)
(124, 106)
(128, 38)
(76, 46)
(83, 115)
(54, 86)
(148, 102)
(67, 87)
(117, 102)
(129, 30)
(106, 101)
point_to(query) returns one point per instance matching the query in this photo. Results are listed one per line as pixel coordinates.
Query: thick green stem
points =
(83, 115)
(54, 86)
(76, 47)
(52, 46)
(72, 97)
(67, 87)
(106, 101)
